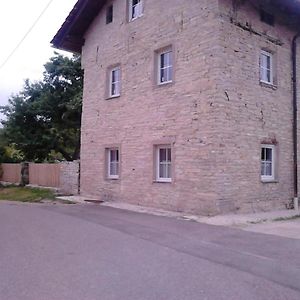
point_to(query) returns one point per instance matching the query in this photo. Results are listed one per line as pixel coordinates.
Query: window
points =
(109, 14)
(267, 18)
(115, 82)
(267, 162)
(165, 66)
(266, 67)
(163, 163)
(113, 163)
(135, 9)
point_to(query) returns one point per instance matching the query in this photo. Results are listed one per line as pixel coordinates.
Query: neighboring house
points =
(188, 105)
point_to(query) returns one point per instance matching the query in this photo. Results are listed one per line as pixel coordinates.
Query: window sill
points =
(112, 178)
(269, 181)
(162, 181)
(268, 85)
(136, 18)
(113, 97)
(164, 84)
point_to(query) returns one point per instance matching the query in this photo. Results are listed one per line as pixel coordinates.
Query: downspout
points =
(295, 125)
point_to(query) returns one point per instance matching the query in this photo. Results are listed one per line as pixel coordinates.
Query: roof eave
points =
(70, 36)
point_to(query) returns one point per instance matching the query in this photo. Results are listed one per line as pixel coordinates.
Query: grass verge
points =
(27, 194)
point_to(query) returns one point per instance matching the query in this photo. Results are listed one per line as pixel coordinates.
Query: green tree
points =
(43, 121)
(8, 152)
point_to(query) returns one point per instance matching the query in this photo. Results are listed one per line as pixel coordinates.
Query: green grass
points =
(25, 194)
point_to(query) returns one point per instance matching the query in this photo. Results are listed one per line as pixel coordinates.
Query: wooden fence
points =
(46, 175)
(11, 173)
(63, 176)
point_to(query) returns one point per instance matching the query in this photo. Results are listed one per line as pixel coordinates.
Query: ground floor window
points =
(113, 160)
(164, 163)
(267, 162)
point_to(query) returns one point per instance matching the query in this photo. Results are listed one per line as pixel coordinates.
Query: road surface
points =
(90, 252)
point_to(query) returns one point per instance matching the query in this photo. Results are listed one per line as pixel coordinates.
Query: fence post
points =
(24, 173)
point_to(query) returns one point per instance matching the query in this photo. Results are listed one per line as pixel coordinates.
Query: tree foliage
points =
(8, 152)
(43, 120)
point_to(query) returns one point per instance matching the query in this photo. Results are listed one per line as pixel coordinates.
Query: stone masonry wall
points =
(69, 177)
(181, 114)
(298, 114)
(215, 113)
(252, 113)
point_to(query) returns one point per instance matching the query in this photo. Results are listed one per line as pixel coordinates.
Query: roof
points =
(70, 36)
(286, 11)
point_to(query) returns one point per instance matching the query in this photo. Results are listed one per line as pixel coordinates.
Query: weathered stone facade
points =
(253, 113)
(215, 114)
(69, 177)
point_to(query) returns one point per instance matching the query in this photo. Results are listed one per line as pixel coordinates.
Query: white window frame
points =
(272, 176)
(169, 66)
(140, 8)
(117, 83)
(166, 163)
(109, 162)
(263, 69)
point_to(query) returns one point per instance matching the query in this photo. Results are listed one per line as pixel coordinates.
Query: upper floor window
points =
(266, 67)
(135, 9)
(115, 82)
(109, 14)
(165, 66)
(267, 162)
(163, 163)
(267, 17)
(113, 163)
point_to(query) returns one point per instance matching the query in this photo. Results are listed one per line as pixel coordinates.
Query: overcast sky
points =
(16, 17)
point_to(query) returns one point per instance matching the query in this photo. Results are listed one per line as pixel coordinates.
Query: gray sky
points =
(16, 17)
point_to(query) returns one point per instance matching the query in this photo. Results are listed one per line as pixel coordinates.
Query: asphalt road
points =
(87, 252)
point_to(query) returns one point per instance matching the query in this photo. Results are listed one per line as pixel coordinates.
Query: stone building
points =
(188, 105)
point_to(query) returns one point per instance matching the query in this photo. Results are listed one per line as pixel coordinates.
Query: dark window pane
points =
(263, 154)
(268, 169)
(268, 154)
(162, 155)
(169, 74)
(268, 62)
(113, 89)
(268, 76)
(117, 168)
(169, 169)
(267, 18)
(164, 75)
(162, 171)
(114, 155)
(113, 76)
(169, 154)
(113, 168)
(109, 14)
(162, 60)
